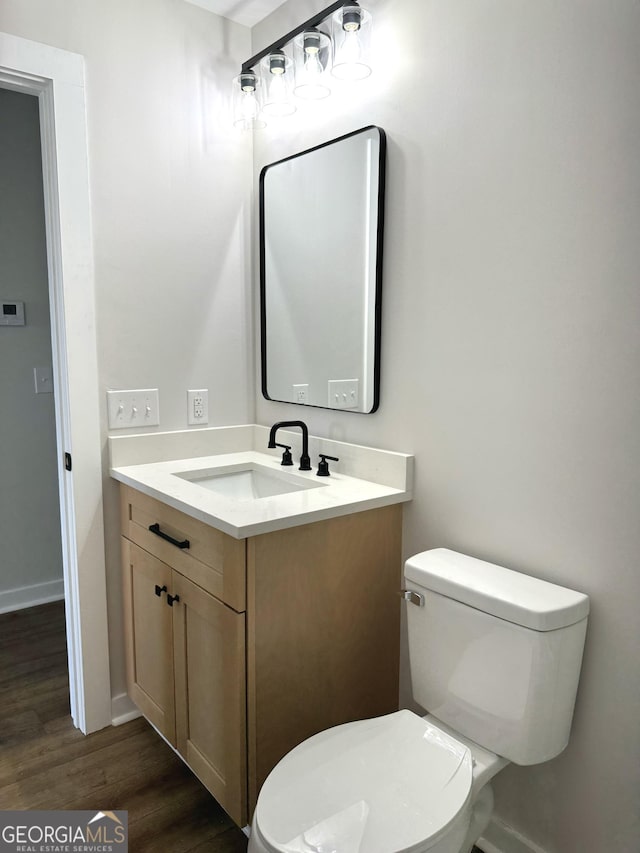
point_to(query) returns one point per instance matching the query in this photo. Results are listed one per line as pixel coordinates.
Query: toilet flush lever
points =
(413, 597)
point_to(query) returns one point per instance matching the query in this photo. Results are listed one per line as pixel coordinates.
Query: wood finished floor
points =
(46, 763)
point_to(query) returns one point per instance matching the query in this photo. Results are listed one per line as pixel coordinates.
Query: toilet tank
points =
(494, 653)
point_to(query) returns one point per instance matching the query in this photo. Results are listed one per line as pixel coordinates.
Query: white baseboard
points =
(123, 710)
(30, 596)
(499, 837)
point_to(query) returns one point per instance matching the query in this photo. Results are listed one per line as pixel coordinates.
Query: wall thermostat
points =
(11, 313)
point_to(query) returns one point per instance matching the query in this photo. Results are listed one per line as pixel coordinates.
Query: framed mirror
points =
(321, 230)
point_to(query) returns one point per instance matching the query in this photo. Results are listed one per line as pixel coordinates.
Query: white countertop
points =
(336, 495)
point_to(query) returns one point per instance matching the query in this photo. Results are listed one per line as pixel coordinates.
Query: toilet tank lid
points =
(501, 592)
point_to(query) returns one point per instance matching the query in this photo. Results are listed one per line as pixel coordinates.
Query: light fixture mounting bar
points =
(280, 43)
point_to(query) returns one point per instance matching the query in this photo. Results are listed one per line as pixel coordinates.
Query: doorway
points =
(31, 549)
(56, 78)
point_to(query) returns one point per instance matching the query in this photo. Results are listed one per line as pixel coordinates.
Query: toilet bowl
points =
(395, 784)
(495, 655)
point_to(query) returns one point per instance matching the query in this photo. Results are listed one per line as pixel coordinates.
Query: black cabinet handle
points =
(171, 599)
(160, 590)
(155, 528)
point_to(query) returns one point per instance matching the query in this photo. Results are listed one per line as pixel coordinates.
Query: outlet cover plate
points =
(301, 393)
(198, 407)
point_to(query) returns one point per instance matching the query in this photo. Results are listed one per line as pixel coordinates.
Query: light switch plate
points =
(343, 394)
(130, 409)
(43, 380)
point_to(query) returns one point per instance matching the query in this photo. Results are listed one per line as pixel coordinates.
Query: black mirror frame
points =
(378, 276)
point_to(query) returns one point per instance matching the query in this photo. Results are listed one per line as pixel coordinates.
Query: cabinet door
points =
(149, 637)
(209, 660)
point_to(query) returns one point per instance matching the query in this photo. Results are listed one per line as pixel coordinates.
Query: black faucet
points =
(305, 461)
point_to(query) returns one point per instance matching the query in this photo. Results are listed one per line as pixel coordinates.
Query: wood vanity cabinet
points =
(239, 649)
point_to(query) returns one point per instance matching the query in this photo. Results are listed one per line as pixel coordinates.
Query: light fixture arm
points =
(281, 42)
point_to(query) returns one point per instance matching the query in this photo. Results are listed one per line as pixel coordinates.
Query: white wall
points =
(510, 350)
(170, 192)
(30, 548)
(510, 347)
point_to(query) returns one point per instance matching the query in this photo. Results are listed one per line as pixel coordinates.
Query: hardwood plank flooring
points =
(46, 763)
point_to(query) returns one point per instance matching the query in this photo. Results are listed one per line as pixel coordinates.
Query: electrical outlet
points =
(198, 407)
(301, 393)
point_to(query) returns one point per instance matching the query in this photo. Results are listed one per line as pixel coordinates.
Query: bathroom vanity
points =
(246, 634)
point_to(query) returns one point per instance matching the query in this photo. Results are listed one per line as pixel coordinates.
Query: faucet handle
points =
(286, 456)
(323, 465)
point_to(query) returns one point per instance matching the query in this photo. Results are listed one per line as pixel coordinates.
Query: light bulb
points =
(314, 53)
(350, 49)
(312, 66)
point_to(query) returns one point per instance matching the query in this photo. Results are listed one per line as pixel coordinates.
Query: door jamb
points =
(56, 77)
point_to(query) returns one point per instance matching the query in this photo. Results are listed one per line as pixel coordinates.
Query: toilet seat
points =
(392, 784)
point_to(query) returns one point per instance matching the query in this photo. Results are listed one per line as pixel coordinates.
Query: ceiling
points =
(246, 12)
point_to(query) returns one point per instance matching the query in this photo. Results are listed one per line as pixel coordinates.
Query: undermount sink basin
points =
(246, 482)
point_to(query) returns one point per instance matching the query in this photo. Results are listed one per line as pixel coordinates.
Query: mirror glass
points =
(321, 222)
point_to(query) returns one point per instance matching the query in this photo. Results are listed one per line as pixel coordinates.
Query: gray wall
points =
(30, 549)
(510, 351)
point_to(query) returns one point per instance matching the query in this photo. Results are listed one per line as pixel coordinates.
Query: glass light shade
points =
(351, 31)
(247, 101)
(312, 58)
(277, 75)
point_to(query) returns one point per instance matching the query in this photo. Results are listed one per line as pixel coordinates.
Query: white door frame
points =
(56, 77)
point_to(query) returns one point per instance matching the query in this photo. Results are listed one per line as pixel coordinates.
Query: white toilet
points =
(495, 657)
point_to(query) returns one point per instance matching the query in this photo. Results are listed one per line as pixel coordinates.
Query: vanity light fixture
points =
(335, 41)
